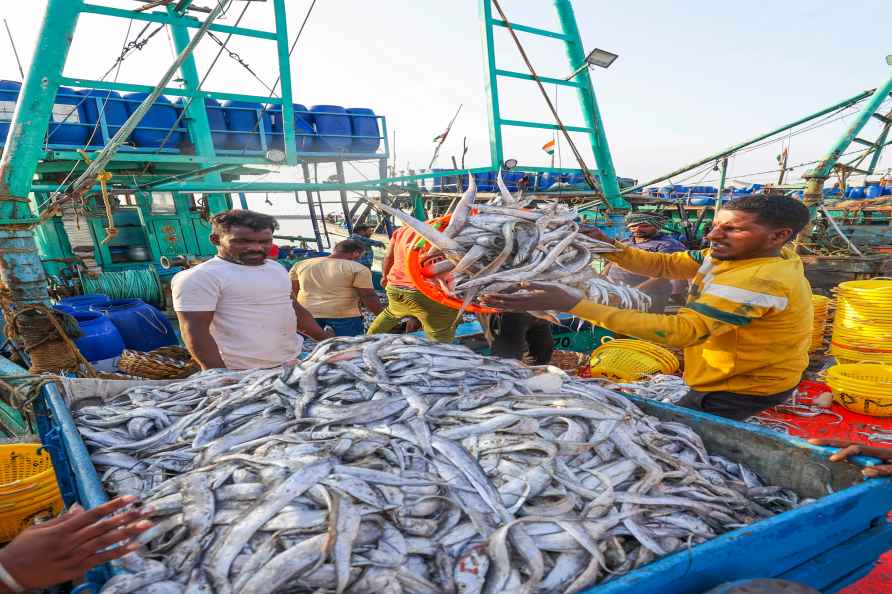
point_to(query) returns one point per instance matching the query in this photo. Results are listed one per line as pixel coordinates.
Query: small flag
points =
(441, 137)
(548, 147)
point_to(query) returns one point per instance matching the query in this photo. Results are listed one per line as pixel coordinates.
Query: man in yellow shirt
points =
(747, 324)
(332, 287)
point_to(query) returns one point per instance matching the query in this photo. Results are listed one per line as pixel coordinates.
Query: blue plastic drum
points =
(702, 200)
(486, 182)
(9, 95)
(304, 134)
(103, 105)
(101, 339)
(873, 191)
(154, 131)
(216, 120)
(333, 127)
(68, 119)
(143, 327)
(244, 130)
(84, 302)
(365, 131)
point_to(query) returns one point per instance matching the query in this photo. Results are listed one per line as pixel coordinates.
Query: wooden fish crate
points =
(827, 544)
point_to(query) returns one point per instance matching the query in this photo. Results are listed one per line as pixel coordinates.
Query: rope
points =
(142, 283)
(110, 232)
(45, 338)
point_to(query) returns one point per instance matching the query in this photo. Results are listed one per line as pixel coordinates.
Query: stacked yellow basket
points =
(862, 387)
(862, 327)
(821, 306)
(629, 360)
(28, 490)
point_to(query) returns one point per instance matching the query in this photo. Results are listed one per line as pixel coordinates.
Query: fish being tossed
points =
(490, 248)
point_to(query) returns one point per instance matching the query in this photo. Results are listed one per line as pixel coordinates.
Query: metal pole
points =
(727, 152)
(348, 220)
(491, 82)
(196, 113)
(15, 52)
(285, 82)
(783, 167)
(718, 196)
(311, 206)
(815, 178)
(20, 267)
(388, 223)
(243, 200)
(586, 92)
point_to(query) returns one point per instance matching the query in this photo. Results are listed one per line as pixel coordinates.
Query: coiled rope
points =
(142, 283)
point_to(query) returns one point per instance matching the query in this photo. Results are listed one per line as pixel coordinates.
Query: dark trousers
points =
(343, 326)
(739, 407)
(517, 332)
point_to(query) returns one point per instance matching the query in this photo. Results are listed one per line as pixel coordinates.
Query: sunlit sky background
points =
(693, 76)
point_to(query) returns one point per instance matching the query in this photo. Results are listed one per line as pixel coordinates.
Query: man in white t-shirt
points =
(236, 310)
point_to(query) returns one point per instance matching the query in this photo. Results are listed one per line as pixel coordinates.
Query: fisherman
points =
(747, 324)
(404, 300)
(363, 234)
(65, 548)
(236, 310)
(645, 230)
(332, 288)
(515, 333)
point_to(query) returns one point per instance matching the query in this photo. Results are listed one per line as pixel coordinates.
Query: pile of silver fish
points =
(660, 387)
(389, 464)
(492, 248)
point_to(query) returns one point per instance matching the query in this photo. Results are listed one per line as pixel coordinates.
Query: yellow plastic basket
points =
(862, 326)
(862, 387)
(630, 360)
(28, 490)
(821, 305)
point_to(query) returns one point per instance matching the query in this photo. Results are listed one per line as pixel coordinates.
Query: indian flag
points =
(548, 147)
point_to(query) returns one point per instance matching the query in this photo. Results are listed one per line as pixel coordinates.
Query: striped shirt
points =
(746, 327)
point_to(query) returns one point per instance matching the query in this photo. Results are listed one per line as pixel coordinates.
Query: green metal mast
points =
(590, 111)
(594, 127)
(815, 178)
(20, 266)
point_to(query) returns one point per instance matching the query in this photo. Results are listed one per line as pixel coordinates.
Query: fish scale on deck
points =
(391, 464)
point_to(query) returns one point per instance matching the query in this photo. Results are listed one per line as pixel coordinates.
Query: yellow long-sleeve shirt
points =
(746, 326)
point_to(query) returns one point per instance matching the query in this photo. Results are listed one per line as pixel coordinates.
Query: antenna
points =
(14, 50)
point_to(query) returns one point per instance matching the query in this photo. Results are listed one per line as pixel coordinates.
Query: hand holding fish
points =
(535, 297)
(66, 547)
(850, 448)
(595, 233)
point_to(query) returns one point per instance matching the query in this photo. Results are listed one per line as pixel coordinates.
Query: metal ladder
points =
(594, 128)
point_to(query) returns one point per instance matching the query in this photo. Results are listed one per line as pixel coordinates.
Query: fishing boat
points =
(108, 187)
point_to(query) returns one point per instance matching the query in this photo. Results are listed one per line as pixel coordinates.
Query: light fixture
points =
(602, 58)
(596, 57)
(275, 155)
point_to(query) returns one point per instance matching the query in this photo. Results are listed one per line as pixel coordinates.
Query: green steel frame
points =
(815, 178)
(594, 127)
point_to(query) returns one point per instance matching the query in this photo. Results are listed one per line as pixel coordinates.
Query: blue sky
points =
(693, 76)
